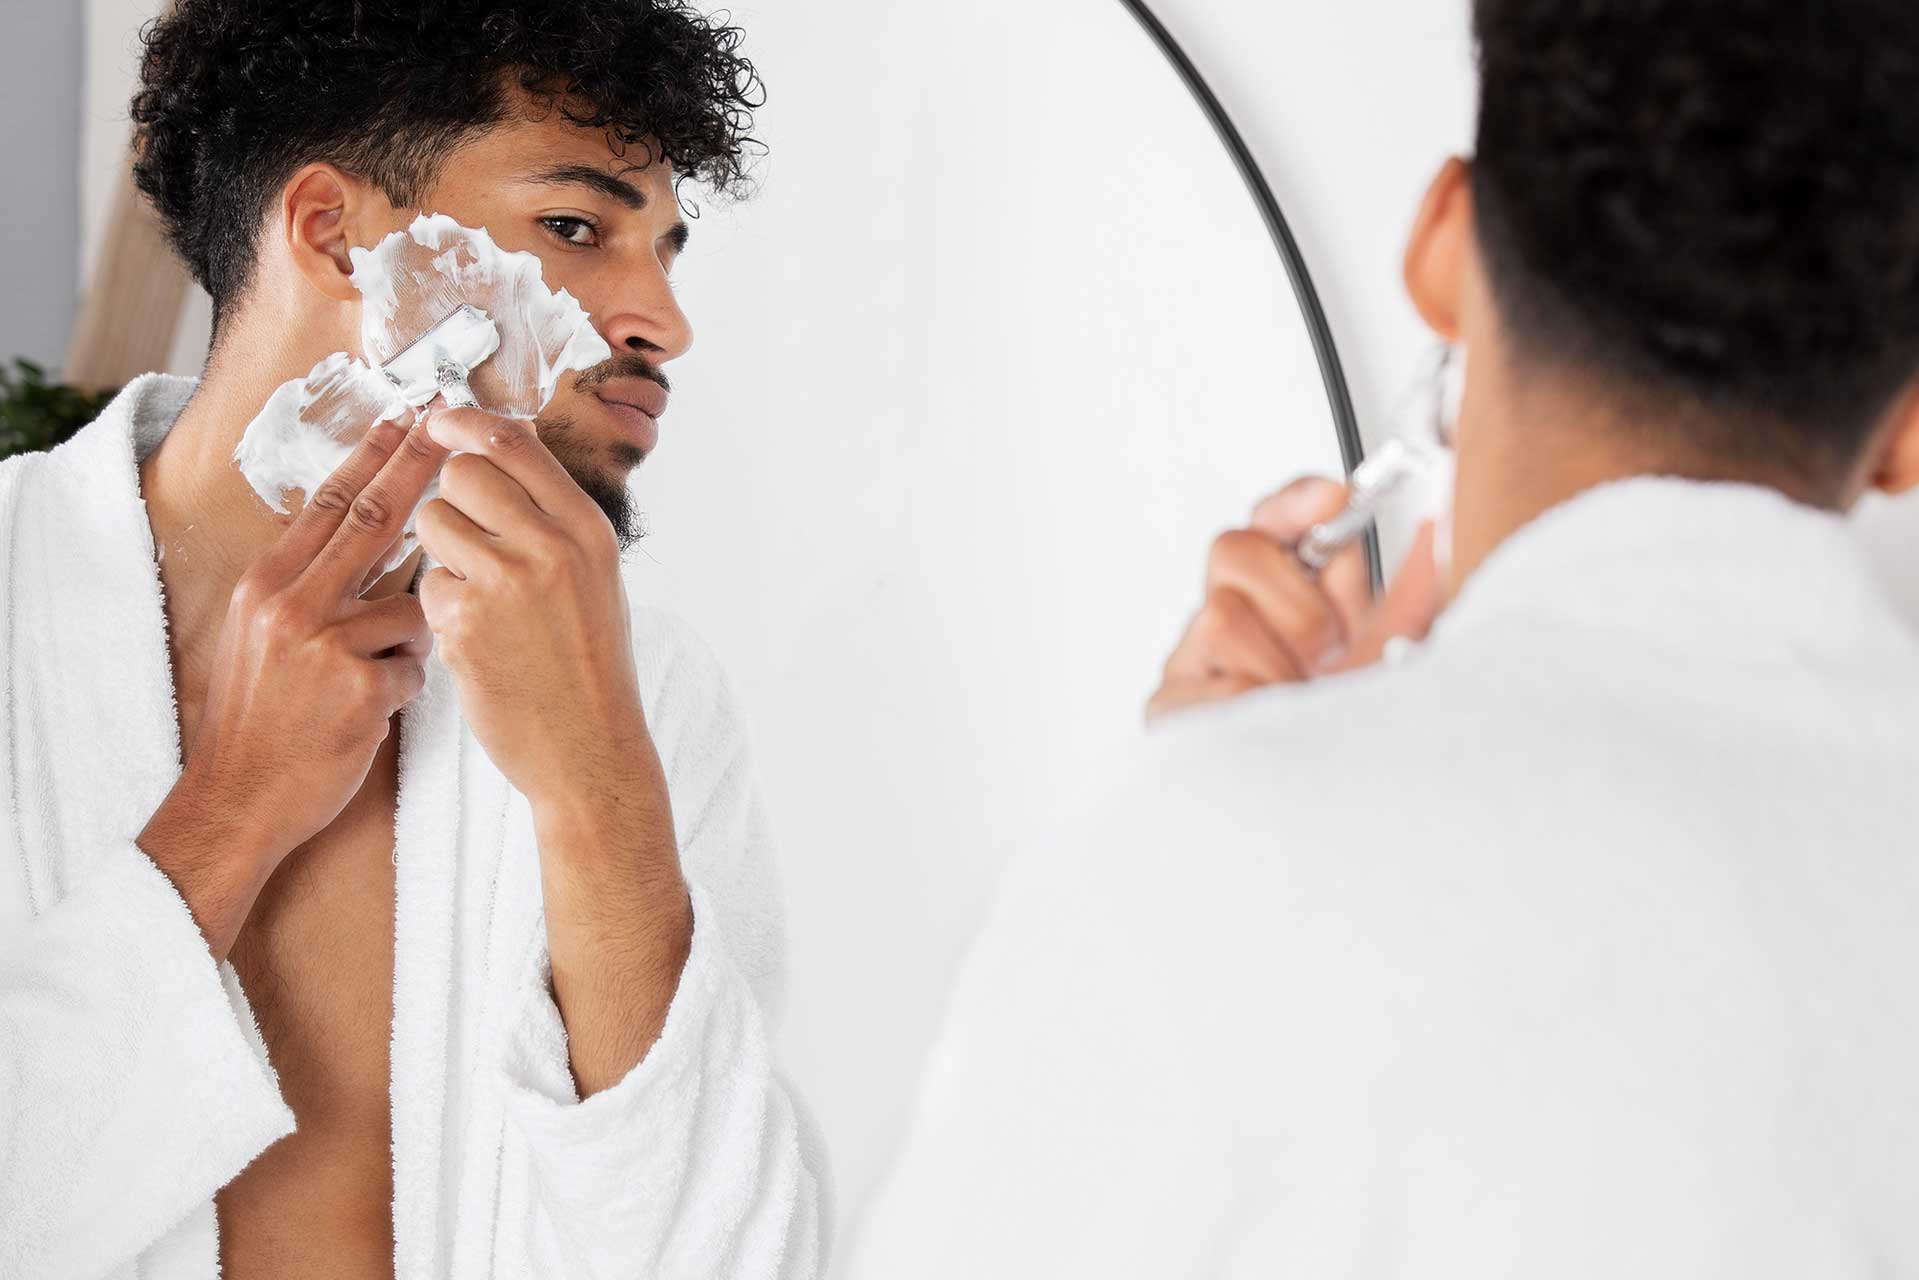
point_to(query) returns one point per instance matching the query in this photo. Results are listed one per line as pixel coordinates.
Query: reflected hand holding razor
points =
(1423, 454)
(1374, 481)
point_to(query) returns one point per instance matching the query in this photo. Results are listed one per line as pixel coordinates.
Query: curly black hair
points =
(1715, 205)
(236, 95)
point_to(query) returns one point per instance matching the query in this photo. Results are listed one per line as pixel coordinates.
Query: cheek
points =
(572, 271)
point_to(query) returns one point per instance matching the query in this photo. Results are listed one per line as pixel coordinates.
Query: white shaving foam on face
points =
(310, 425)
(413, 279)
(489, 310)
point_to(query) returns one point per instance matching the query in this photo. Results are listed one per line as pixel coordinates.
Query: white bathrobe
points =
(1583, 943)
(133, 1080)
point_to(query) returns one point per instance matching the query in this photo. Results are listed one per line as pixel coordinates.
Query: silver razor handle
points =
(451, 376)
(1373, 482)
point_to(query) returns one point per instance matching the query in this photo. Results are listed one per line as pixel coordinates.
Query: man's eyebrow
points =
(679, 235)
(585, 175)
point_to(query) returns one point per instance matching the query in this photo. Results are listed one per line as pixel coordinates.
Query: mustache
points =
(626, 365)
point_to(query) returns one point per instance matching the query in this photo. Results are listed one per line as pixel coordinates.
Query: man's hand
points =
(530, 612)
(306, 679)
(531, 619)
(1268, 619)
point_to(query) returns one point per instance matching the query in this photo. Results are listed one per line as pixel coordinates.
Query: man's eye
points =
(572, 230)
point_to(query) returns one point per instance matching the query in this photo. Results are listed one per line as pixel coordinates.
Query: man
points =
(1580, 942)
(428, 929)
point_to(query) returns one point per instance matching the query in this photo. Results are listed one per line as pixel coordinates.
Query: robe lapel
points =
(95, 736)
(426, 849)
(96, 747)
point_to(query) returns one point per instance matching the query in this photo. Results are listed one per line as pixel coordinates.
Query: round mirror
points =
(999, 347)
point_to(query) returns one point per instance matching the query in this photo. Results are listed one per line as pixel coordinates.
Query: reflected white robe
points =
(1584, 943)
(133, 1080)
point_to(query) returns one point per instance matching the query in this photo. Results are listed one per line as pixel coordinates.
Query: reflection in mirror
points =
(999, 344)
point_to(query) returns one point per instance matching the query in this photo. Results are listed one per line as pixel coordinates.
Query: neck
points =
(207, 522)
(1525, 448)
(191, 484)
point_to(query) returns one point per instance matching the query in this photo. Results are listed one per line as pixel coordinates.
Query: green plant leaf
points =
(36, 413)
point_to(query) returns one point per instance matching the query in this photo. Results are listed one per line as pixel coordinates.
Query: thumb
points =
(1407, 609)
(1288, 515)
(1307, 501)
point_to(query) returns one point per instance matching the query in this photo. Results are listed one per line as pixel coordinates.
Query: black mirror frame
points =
(1352, 449)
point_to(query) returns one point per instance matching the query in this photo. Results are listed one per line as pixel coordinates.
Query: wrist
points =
(617, 819)
(225, 828)
(606, 794)
(619, 825)
(217, 867)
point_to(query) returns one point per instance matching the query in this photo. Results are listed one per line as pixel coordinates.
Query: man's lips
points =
(638, 404)
(644, 394)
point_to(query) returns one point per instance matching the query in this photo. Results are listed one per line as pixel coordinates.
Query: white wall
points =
(998, 348)
(39, 219)
(111, 60)
(110, 65)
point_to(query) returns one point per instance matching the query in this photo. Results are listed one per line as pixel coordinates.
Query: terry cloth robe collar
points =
(115, 739)
(1655, 556)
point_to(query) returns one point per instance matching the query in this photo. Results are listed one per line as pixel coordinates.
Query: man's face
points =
(607, 229)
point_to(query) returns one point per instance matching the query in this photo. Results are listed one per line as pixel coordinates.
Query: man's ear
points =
(319, 207)
(1436, 252)
(1898, 466)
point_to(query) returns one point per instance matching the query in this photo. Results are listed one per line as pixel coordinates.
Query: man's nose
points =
(649, 324)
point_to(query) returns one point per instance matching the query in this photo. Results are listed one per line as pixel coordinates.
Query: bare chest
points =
(316, 962)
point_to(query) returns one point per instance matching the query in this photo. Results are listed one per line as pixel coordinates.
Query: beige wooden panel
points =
(131, 308)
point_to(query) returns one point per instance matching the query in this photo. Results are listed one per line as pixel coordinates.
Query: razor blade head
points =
(462, 338)
(464, 316)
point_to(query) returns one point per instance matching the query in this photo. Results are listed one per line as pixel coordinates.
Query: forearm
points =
(619, 922)
(214, 862)
(697, 1163)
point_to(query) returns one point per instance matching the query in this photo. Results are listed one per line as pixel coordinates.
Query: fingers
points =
(1410, 605)
(1193, 693)
(396, 622)
(390, 559)
(1347, 581)
(401, 677)
(1288, 515)
(1307, 501)
(375, 517)
(328, 504)
(1283, 593)
(516, 449)
(489, 497)
(450, 537)
(1228, 637)
(443, 596)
